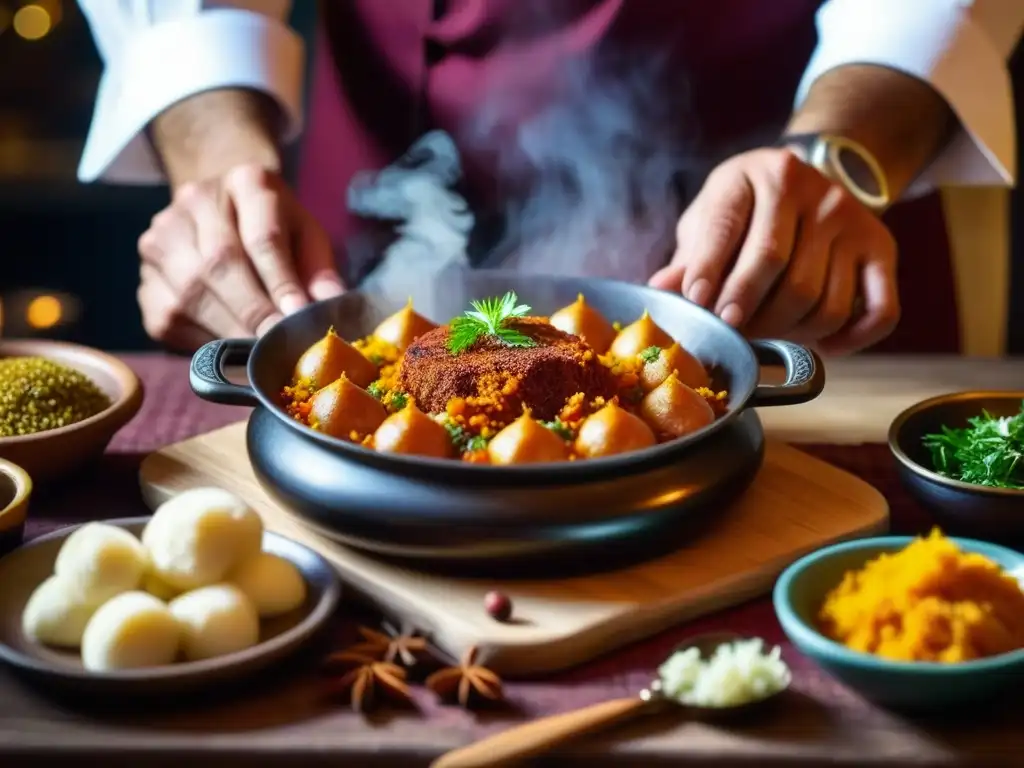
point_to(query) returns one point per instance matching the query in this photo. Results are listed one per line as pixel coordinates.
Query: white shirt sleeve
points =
(961, 48)
(158, 52)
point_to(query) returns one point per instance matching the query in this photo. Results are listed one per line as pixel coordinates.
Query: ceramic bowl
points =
(57, 452)
(919, 686)
(994, 514)
(25, 568)
(15, 490)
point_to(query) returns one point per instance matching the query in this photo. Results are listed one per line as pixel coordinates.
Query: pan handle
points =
(805, 374)
(206, 373)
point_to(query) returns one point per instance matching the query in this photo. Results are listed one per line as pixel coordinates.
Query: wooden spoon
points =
(539, 736)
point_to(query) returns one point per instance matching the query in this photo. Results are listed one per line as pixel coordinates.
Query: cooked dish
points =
(194, 586)
(498, 385)
(931, 601)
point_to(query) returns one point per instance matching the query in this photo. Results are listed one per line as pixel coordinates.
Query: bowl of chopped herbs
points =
(962, 456)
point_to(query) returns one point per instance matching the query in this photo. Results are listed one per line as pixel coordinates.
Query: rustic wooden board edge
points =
(562, 651)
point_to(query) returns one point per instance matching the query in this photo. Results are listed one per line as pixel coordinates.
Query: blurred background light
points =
(44, 311)
(32, 22)
(39, 312)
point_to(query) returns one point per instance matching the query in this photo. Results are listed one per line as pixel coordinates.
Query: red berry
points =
(498, 606)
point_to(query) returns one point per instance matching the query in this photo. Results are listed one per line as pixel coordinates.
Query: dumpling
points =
(130, 631)
(638, 336)
(612, 430)
(101, 560)
(674, 409)
(342, 408)
(273, 584)
(57, 613)
(158, 588)
(198, 536)
(413, 432)
(403, 327)
(215, 621)
(659, 362)
(581, 319)
(332, 357)
(526, 441)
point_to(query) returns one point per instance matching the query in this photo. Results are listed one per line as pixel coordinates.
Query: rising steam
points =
(590, 180)
(587, 180)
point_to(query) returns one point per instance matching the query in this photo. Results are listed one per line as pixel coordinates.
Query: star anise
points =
(367, 681)
(403, 647)
(468, 683)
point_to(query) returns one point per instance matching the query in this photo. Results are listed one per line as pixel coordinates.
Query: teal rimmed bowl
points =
(800, 591)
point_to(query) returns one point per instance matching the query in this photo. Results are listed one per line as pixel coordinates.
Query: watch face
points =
(858, 170)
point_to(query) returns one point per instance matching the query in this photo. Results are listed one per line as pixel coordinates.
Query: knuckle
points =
(889, 316)
(161, 219)
(218, 258)
(789, 170)
(772, 256)
(250, 175)
(266, 244)
(158, 324)
(191, 289)
(801, 293)
(830, 319)
(149, 244)
(887, 246)
(189, 193)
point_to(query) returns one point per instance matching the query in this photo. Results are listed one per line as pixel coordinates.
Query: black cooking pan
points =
(399, 503)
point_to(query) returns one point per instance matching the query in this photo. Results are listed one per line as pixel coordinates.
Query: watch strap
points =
(842, 160)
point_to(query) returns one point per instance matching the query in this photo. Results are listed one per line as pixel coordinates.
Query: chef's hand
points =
(778, 251)
(229, 257)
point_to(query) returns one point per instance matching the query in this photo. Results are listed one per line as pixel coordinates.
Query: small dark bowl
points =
(995, 514)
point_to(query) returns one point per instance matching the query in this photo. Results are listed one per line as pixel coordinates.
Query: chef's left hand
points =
(779, 251)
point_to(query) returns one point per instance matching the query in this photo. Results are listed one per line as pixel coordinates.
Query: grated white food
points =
(737, 673)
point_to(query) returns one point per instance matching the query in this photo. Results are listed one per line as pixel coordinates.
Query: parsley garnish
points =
(988, 452)
(650, 354)
(376, 390)
(489, 317)
(476, 443)
(559, 428)
(399, 400)
(455, 432)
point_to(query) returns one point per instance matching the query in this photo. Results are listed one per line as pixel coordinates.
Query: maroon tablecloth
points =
(833, 715)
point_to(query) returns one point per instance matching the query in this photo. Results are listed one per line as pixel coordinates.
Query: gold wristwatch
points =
(845, 162)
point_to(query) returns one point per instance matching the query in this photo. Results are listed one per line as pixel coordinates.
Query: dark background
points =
(77, 243)
(59, 237)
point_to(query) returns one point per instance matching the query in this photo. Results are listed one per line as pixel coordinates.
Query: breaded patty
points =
(559, 366)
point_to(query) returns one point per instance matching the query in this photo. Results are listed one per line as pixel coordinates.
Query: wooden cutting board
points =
(797, 504)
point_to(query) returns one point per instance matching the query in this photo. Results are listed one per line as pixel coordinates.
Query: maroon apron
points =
(720, 77)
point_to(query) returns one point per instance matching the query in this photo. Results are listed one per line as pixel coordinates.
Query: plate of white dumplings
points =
(197, 593)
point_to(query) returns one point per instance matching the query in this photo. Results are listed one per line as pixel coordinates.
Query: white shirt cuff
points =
(940, 43)
(165, 63)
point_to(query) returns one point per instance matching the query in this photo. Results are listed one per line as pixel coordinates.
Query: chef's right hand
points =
(229, 257)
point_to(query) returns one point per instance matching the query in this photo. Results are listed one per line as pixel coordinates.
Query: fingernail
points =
(732, 315)
(326, 288)
(700, 292)
(292, 302)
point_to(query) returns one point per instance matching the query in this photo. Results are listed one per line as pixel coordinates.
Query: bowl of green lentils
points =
(60, 404)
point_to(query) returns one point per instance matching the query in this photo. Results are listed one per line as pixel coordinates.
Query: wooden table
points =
(863, 395)
(283, 719)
